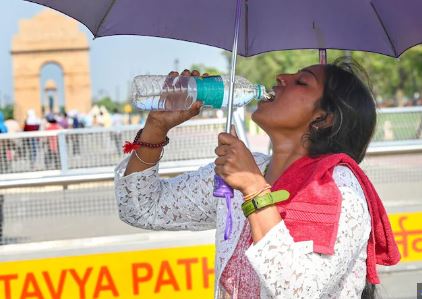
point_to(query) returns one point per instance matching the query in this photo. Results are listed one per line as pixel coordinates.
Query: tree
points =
(263, 68)
(108, 103)
(7, 111)
(389, 76)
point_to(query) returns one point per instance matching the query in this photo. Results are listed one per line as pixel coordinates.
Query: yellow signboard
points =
(184, 272)
(407, 229)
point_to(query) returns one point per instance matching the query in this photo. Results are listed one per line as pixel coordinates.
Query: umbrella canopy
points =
(387, 27)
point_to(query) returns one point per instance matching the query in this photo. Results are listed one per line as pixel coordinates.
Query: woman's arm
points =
(291, 270)
(157, 125)
(184, 202)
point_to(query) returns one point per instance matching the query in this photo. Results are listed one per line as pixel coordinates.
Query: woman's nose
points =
(283, 79)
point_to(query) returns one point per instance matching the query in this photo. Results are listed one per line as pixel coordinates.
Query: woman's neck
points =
(285, 150)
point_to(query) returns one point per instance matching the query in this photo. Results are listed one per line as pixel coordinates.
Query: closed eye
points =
(299, 82)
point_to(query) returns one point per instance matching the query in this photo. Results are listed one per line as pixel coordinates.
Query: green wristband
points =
(260, 202)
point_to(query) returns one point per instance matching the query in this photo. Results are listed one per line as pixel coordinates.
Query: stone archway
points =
(50, 37)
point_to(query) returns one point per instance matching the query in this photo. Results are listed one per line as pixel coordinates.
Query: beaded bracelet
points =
(129, 147)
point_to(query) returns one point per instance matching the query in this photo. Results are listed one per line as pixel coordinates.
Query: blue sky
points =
(113, 60)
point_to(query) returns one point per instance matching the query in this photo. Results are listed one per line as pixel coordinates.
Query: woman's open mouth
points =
(269, 97)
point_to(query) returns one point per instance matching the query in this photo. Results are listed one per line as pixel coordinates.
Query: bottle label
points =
(210, 90)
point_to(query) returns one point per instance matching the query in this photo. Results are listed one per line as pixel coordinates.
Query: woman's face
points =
(294, 105)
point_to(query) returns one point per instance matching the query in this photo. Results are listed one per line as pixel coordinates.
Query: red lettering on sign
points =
(108, 284)
(7, 279)
(31, 283)
(171, 280)
(206, 272)
(136, 279)
(81, 282)
(188, 269)
(55, 294)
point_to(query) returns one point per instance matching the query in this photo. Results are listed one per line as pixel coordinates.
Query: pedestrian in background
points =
(32, 123)
(116, 135)
(52, 159)
(4, 146)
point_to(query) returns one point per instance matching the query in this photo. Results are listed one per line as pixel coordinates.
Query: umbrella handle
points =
(222, 190)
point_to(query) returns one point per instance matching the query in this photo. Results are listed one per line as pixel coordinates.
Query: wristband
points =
(260, 202)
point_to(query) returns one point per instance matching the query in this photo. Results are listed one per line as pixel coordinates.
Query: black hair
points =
(347, 97)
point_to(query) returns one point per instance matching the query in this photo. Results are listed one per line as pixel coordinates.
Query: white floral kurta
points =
(286, 269)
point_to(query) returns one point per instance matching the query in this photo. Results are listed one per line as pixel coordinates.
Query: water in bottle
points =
(179, 93)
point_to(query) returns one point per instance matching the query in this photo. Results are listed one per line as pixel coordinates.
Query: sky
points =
(114, 61)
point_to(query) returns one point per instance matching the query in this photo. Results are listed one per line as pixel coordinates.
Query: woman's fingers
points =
(188, 73)
(226, 138)
(221, 161)
(195, 73)
(173, 74)
(222, 150)
(195, 109)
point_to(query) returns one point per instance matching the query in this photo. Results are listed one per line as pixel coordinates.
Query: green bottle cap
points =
(260, 91)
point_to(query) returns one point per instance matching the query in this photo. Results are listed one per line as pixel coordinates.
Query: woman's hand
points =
(236, 165)
(165, 120)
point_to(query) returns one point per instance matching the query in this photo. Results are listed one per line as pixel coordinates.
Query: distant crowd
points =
(32, 148)
(97, 117)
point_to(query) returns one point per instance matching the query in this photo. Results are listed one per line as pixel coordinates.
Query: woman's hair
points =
(348, 98)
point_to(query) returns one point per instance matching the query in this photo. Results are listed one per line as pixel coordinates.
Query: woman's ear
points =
(328, 120)
(323, 121)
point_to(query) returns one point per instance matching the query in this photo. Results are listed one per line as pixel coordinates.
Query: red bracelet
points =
(129, 147)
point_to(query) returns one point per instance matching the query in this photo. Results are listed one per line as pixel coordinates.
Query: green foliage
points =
(389, 76)
(205, 69)
(7, 111)
(108, 103)
(263, 68)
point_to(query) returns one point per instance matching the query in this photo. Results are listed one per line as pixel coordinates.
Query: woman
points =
(321, 243)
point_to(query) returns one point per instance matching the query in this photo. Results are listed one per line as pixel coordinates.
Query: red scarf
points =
(313, 210)
(312, 213)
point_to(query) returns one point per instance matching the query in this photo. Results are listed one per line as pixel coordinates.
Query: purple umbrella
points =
(387, 27)
(383, 26)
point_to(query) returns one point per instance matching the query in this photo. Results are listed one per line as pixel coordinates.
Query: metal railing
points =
(62, 207)
(59, 203)
(396, 124)
(65, 152)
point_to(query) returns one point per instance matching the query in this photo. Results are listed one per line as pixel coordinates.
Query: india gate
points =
(50, 37)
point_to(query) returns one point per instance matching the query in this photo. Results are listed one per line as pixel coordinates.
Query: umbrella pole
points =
(322, 56)
(233, 66)
(221, 189)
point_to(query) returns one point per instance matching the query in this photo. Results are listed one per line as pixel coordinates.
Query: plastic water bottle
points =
(179, 93)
